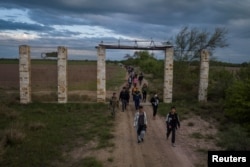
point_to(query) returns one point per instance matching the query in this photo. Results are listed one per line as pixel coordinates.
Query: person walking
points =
(113, 104)
(155, 102)
(172, 122)
(124, 98)
(140, 78)
(130, 81)
(135, 80)
(137, 99)
(133, 92)
(127, 95)
(144, 92)
(140, 124)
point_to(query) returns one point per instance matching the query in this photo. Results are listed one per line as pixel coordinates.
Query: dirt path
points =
(156, 151)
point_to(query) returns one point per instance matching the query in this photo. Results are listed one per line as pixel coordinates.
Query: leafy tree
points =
(190, 41)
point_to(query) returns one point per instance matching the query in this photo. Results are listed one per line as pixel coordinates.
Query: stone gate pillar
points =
(168, 75)
(101, 74)
(62, 77)
(204, 73)
(24, 74)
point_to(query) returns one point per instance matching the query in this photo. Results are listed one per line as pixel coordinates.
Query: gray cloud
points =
(9, 25)
(159, 19)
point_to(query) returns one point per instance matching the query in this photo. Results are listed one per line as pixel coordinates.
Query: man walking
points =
(124, 96)
(144, 92)
(140, 123)
(155, 102)
(172, 121)
(137, 99)
(140, 78)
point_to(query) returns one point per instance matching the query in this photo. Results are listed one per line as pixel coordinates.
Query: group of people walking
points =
(139, 93)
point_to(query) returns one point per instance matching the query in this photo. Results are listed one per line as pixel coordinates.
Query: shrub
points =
(238, 101)
(235, 138)
(219, 81)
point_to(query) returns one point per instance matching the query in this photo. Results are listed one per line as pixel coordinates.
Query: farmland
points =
(81, 78)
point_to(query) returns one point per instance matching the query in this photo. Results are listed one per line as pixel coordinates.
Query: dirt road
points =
(155, 151)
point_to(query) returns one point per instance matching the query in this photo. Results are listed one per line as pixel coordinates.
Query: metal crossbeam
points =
(127, 47)
(136, 46)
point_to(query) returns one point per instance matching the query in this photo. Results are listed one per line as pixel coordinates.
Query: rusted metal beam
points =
(127, 47)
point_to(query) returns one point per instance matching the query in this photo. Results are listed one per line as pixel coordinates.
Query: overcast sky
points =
(81, 24)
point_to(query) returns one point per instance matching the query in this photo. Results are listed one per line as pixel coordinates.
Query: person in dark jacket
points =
(172, 122)
(144, 92)
(124, 97)
(137, 99)
(140, 78)
(155, 102)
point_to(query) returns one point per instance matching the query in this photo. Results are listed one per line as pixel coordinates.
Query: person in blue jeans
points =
(137, 99)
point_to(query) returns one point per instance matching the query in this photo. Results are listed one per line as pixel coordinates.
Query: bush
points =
(235, 138)
(219, 81)
(238, 101)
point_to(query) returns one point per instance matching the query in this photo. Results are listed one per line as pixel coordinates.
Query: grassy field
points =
(40, 134)
(37, 134)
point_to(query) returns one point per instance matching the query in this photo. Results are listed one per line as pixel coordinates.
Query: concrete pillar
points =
(101, 74)
(168, 75)
(204, 73)
(62, 77)
(24, 74)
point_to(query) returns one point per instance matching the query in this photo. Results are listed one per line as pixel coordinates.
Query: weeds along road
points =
(155, 151)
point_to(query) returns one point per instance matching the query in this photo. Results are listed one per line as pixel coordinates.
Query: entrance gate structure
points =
(168, 70)
(62, 55)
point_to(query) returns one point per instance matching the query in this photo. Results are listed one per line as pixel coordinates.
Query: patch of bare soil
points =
(196, 137)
